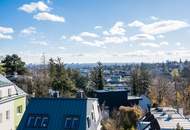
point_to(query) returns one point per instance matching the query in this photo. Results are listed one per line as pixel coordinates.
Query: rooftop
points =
(169, 117)
(111, 90)
(4, 81)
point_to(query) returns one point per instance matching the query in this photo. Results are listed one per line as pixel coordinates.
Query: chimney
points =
(80, 94)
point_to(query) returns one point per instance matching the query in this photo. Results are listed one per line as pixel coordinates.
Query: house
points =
(61, 114)
(12, 104)
(115, 98)
(164, 118)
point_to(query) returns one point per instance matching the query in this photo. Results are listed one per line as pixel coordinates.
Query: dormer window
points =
(72, 122)
(37, 121)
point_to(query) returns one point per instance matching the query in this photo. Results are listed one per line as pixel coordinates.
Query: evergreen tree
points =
(97, 79)
(12, 64)
(140, 81)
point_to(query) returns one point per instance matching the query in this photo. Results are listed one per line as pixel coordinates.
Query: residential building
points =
(115, 98)
(61, 114)
(12, 104)
(164, 118)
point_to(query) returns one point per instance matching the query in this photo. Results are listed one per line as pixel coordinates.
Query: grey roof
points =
(4, 81)
(111, 90)
(57, 109)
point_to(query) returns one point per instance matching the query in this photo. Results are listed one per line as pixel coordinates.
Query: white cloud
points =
(98, 27)
(154, 18)
(149, 44)
(136, 23)
(61, 48)
(5, 37)
(142, 37)
(164, 43)
(6, 30)
(42, 43)
(178, 44)
(154, 45)
(105, 33)
(48, 17)
(76, 38)
(160, 36)
(28, 31)
(63, 37)
(118, 29)
(95, 43)
(115, 35)
(34, 6)
(89, 34)
(163, 26)
(115, 39)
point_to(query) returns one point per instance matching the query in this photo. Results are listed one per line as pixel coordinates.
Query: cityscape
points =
(94, 65)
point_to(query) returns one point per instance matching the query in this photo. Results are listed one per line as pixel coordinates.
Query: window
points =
(72, 122)
(1, 94)
(37, 121)
(68, 123)
(44, 122)
(75, 123)
(88, 122)
(9, 92)
(1, 117)
(7, 115)
(19, 109)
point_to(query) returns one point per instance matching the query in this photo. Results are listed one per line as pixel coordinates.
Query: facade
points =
(61, 114)
(12, 104)
(164, 118)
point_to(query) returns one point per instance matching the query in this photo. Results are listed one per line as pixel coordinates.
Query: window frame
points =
(7, 117)
(73, 118)
(1, 118)
(9, 91)
(42, 117)
(18, 110)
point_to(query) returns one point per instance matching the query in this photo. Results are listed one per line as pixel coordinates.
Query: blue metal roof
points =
(57, 110)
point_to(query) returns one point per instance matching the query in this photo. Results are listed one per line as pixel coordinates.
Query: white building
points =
(164, 118)
(12, 104)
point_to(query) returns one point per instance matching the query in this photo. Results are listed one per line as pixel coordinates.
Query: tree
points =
(140, 81)
(79, 80)
(96, 77)
(161, 92)
(125, 118)
(52, 69)
(12, 64)
(2, 69)
(144, 81)
(60, 79)
(135, 80)
(175, 77)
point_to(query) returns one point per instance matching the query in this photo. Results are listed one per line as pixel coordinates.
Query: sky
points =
(87, 31)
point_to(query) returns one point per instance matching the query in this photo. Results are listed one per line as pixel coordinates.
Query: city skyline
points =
(90, 31)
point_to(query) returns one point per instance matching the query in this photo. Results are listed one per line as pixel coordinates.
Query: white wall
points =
(4, 91)
(7, 124)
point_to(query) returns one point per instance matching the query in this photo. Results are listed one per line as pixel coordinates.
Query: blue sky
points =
(86, 31)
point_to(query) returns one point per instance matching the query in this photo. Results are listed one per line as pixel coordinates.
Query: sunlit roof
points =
(4, 81)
